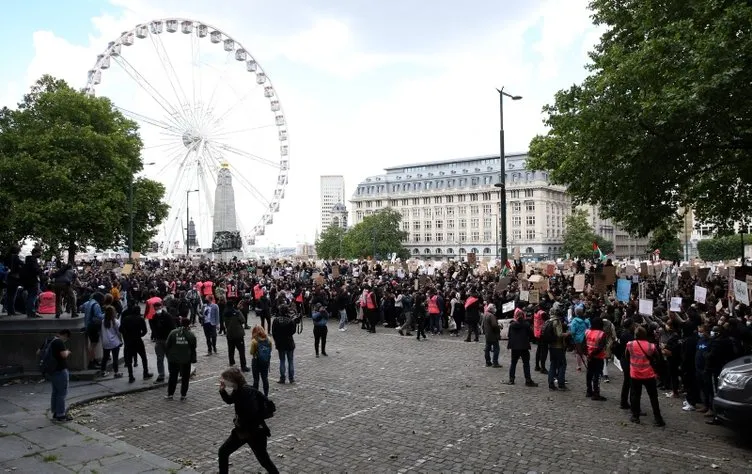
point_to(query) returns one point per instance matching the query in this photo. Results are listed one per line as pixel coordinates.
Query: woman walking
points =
(261, 355)
(250, 427)
(110, 341)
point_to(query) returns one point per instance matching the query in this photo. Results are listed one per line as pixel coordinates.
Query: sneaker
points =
(183, 397)
(147, 376)
(510, 382)
(282, 381)
(606, 379)
(530, 383)
(660, 423)
(292, 381)
(245, 369)
(342, 329)
(317, 356)
(688, 407)
(563, 388)
(104, 374)
(325, 354)
(553, 388)
(159, 379)
(488, 364)
(588, 394)
(118, 375)
(169, 397)
(544, 371)
(634, 420)
(496, 366)
(63, 418)
(131, 379)
(598, 398)
(537, 369)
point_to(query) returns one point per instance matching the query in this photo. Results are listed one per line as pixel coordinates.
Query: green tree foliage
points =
(663, 120)
(728, 247)
(579, 237)
(329, 245)
(66, 164)
(665, 238)
(377, 236)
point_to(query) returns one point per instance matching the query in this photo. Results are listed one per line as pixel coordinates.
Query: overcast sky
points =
(364, 84)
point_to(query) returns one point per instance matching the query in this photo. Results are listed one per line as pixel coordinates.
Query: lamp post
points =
(130, 215)
(502, 176)
(187, 218)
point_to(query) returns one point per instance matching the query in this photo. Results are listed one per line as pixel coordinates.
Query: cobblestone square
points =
(385, 403)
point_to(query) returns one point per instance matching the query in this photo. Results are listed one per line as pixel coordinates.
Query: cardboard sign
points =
(259, 272)
(676, 303)
(550, 269)
(517, 254)
(635, 278)
(700, 294)
(600, 283)
(579, 283)
(610, 275)
(623, 288)
(719, 305)
(524, 295)
(507, 307)
(335, 271)
(471, 258)
(646, 307)
(127, 269)
(533, 297)
(644, 269)
(740, 292)
(503, 284)
(630, 270)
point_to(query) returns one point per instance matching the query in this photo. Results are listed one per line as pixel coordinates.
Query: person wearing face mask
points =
(250, 427)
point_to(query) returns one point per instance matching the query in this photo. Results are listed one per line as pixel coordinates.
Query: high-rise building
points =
(332, 192)
(192, 239)
(339, 216)
(226, 236)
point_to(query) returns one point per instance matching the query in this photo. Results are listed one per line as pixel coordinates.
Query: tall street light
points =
(502, 177)
(130, 212)
(187, 219)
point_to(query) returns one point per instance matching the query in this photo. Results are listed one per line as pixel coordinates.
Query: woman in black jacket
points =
(250, 427)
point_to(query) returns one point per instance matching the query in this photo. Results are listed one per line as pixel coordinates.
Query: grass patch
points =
(49, 458)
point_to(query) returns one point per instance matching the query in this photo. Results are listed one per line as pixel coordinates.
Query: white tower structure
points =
(332, 192)
(227, 239)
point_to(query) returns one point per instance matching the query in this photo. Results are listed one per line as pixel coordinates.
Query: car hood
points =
(742, 365)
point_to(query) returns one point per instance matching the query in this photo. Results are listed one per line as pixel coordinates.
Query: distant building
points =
(332, 192)
(339, 216)
(192, 239)
(451, 208)
(626, 246)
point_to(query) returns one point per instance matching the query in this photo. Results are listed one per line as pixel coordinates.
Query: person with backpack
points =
(133, 329)
(234, 322)
(554, 336)
(320, 317)
(93, 317)
(541, 351)
(261, 355)
(283, 331)
(180, 347)
(162, 325)
(252, 409)
(54, 365)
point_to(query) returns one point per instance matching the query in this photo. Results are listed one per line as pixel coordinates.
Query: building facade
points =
(332, 192)
(626, 246)
(451, 208)
(339, 216)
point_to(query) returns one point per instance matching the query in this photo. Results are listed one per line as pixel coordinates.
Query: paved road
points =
(383, 403)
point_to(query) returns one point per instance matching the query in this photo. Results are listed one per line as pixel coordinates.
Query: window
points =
(404, 202)
(427, 251)
(405, 225)
(369, 203)
(416, 212)
(427, 225)
(439, 225)
(514, 194)
(474, 210)
(439, 236)
(486, 222)
(462, 210)
(450, 236)
(474, 197)
(463, 223)
(428, 185)
(358, 205)
(416, 237)
(450, 224)
(486, 209)
(530, 206)
(416, 225)
(486, 235)
(461, 198)
(358, 215)
(530, 220)
(516, 235)
(427, 213)
(438, 211)
(475, 236)
(437, 200)
(530, 234)
(474, 224)
(516, 221)
(463, 236)
(428, 237)
(377, 203)
(486, 196)
(416, 201)
(426, 200)
(450, 212)
(449, 199)
(528, 193)
(516, 207)
(474, 181)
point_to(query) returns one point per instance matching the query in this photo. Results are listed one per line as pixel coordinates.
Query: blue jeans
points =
(59, 380)
(435, 322)
(492, 347)
(260, 370)
(31, 301)
(342, 318)
(558, 367)
(290, 366)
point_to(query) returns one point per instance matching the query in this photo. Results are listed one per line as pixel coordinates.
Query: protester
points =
(180, 347)
(261, 355)
(492, 332)
(283, 331)
(162, 326)
(133, 329)
(234, 326)
(642, 374)
(520, 334)
(110, 341)
(320, 318)
(59, 376)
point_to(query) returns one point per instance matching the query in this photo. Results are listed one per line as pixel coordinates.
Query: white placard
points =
(700, 294)
(740, 292)
(636, 278)
(507, 307)
(719, 305)
(646, 307)
(676, 302)
(524, 295)
(579, 282)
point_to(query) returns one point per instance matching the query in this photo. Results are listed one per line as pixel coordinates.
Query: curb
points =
(95, 398)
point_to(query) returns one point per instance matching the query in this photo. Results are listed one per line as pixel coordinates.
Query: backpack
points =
(548, 334)
(47, 362)
(264, 351)
(264, 407)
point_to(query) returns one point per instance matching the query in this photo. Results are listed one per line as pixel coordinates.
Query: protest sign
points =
(623, 288)
(646, 307)
(700, 294)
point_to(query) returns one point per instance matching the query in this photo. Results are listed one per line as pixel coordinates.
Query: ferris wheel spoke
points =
(238, 177)
(245, 154)
(171, 146)
(164, 59)
(232, 107)
(222, 134)
(228, 61)
(144, 84)
(148, 120)
(195, 58)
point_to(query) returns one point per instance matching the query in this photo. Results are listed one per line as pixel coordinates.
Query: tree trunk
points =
(71, 253)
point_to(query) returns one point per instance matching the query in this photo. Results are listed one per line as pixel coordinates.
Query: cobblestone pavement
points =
(385, 403)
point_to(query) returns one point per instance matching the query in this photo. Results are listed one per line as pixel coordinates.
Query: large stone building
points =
(626, 246)
(451, 208)
(332, 193)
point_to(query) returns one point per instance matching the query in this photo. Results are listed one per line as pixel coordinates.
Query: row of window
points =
(446, 183)
(462, 236)
(552, 251)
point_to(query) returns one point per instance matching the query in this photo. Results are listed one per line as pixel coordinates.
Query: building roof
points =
(453, 160)
(339, 207)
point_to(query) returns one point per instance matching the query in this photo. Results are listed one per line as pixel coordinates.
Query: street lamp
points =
(130, 212)
(187, 218)
(502, 176)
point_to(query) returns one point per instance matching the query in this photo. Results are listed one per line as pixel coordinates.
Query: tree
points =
(330, 243)
(579, 236)
(66, 163)
(377, 236)
(665, 110)
(727, 247)
(665, 238)
(604, 244)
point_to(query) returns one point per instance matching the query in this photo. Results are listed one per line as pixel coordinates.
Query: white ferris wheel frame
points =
(201, 30)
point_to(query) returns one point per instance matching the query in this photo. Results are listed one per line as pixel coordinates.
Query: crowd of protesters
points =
(680, 351)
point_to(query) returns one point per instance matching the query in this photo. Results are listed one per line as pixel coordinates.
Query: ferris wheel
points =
(205, 107)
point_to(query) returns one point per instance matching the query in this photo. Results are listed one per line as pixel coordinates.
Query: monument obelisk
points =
(227, 242)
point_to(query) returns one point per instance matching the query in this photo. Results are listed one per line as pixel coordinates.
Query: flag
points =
(507, 269)
(601, 255)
